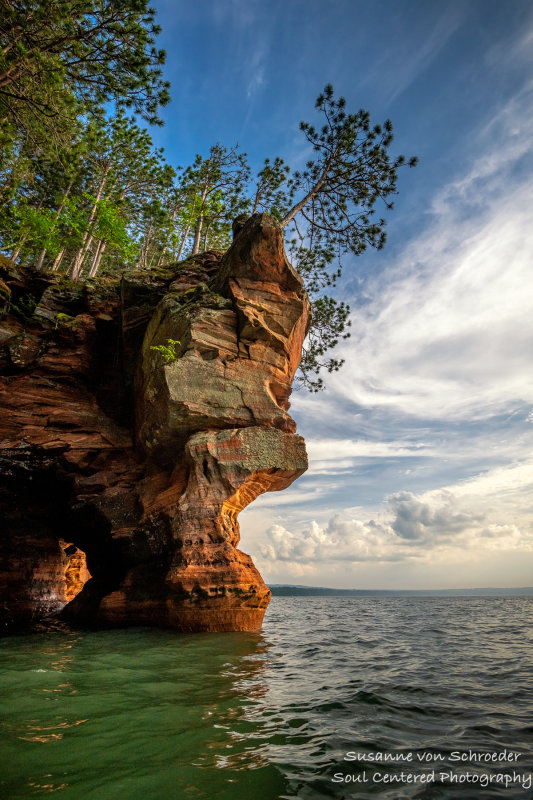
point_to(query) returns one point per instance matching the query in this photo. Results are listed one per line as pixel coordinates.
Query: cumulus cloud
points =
(415, 519)
(339, 540)
(461, 521)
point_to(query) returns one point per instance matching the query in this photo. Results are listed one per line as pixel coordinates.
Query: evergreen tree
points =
(59, 55)
(125, 170)
(273, 189)
(104, 199)
(80, 216)
(218, 185)
(339, 189)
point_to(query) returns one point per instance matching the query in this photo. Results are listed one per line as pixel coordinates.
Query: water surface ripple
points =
(150, 715)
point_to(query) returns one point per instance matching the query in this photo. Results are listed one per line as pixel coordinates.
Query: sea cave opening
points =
(57, 555)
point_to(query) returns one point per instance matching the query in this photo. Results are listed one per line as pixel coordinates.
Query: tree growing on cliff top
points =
(328, 209)
(118, 204)
(91, 214)
(350, 173)
(218, 183)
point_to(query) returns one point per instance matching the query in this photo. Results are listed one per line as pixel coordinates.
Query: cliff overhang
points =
(124, 468)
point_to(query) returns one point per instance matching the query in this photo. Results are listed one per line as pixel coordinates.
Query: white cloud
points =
(256, 64)
(446, 332)
(461, 524)
(515, 51)
(500, 143)
(328, 449)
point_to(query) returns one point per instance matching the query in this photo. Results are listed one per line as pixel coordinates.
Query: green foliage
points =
(217, 187)
(328, 211)
(61, 63)
(168, 350)
(38, 227)
(329, 323)
(85, 219)
(111, 225)
(57, 58)
(83, 190)
(273, 191)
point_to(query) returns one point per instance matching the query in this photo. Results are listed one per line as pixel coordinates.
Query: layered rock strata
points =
(137, 419)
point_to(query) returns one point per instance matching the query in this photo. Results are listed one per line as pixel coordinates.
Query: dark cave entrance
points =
(57, 555)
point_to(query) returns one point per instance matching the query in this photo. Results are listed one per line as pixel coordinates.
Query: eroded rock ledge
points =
(115, 461)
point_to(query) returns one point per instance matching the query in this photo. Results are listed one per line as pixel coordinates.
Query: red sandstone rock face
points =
(142, 465)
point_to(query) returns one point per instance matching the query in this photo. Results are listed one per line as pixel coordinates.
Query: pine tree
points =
(351, 172)
(125, 172)
(58, 57)
(218, 183)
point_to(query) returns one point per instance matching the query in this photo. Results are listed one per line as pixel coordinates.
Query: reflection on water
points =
(40, 733)
(151, 715)
(131, 714)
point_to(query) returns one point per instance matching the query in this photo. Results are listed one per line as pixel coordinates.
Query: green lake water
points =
(150, 715)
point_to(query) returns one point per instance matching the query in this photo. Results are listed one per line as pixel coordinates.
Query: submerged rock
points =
(137, 419)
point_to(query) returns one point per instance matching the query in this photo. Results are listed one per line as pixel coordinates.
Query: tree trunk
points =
(161, 257)
(144, 249)
(18, 248)
(87, 239)
(183, 242)
(57, 261)
(316, 188)
(256, 201)
(165, 247)
(197, 234)
(42, 255)
(81, 258)
(97, 258)
(206, 234)
(200, 220)
(40, 261)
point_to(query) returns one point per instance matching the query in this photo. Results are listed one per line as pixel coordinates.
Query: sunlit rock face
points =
(128, 469)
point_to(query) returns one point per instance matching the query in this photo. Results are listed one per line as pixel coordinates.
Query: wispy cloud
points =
(446, 332)
(410, 55)
(257, 64)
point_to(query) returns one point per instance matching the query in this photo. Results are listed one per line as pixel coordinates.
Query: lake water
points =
(328, 690)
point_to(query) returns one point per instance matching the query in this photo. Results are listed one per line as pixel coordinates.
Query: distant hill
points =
(288, 590)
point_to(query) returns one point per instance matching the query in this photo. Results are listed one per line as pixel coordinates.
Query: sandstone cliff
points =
(123, 471)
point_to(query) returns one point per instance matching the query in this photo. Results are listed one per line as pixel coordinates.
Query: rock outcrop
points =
(137, 419)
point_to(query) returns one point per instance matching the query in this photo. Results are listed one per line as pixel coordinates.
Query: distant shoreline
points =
(289, 590)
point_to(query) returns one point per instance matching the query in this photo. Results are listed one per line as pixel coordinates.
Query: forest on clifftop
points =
(85, 193)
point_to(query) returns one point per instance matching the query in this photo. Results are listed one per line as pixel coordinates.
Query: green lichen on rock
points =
(64, 319)
(199, 296)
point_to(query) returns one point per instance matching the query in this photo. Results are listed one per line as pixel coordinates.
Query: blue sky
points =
(421, 466)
